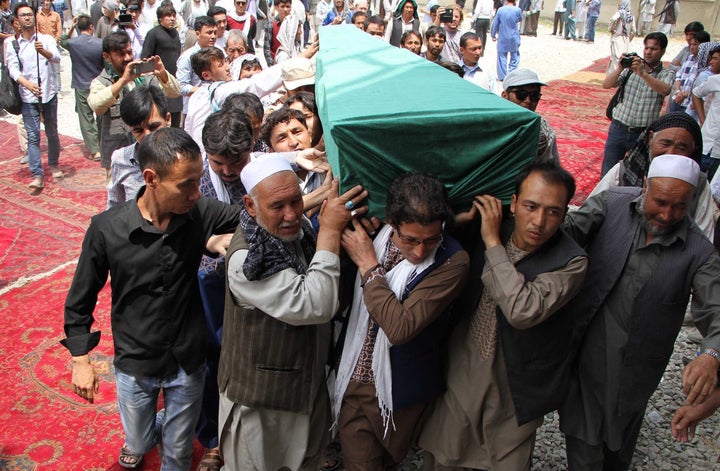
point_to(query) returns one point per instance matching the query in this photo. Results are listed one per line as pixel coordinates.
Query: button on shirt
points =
(30, 60)
(480, 75)
(157, 315)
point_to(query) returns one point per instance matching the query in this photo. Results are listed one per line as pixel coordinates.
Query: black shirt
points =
(157, 317)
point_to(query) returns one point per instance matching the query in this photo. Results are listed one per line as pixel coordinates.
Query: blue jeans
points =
(503, 68)
(590, 28)
(619, 141)
(31, 118)
(137, 400)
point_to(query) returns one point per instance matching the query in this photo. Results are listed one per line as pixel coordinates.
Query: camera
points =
(125, 19)
(626, 62)
(446, 16)
(144, 67)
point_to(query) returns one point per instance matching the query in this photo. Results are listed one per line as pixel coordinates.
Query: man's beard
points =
(647, 224)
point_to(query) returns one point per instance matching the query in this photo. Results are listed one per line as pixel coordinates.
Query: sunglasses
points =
(240, 3)
(523, 94)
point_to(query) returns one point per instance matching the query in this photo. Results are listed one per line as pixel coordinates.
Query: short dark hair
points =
(216, 10)
(137, 105)
(282, 115)
(202, 60)
(162, 149)
(659, 37)
(247, 102)
(248, 64)
(228, 133)
(417, 197)
(166, 8)
(200, 21)
(453, 67)
(84, 22)
(357, 15)
(701, 36)
(467, 37)
(694, 27)
(551, 172)
(714, 50)
(374, 20)
(20, 5)
(434, 8)
(278, 2)
(306, 98)
(435, 30)
(409, 33)
(115, 41)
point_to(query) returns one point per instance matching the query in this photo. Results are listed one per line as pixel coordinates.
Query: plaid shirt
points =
(641, 104)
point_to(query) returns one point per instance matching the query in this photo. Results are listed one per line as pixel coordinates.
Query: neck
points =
(151, 211)
(28, 33)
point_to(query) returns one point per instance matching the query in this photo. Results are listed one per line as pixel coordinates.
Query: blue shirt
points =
(505, 28)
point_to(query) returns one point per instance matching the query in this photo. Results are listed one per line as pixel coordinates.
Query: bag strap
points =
(16, 46)
(621, 87)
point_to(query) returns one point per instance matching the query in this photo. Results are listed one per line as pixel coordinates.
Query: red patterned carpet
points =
(43, 424)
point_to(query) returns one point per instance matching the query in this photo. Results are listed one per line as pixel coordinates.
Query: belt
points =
(630, 129)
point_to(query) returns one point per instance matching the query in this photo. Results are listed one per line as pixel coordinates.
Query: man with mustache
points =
(118, 78)
(647, 256)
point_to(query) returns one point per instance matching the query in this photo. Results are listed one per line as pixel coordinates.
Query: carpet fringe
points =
(23, 280)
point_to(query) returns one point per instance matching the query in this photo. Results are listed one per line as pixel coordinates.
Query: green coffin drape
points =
(386, 111)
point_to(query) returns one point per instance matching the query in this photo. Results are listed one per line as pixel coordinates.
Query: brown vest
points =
(267, 363)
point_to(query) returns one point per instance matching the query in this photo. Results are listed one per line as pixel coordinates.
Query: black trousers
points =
(581, 456)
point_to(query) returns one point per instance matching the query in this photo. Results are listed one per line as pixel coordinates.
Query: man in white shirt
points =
(30, 68)
(482, 14)
(710, 121)
(206, 31)
(475, 70)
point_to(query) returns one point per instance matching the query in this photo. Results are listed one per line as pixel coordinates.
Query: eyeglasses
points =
(21, 15)
(429, 242)
(523, 94)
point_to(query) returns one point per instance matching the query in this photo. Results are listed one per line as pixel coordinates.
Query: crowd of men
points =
(273, 315)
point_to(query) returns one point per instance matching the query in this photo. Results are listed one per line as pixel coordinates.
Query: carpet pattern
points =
(44, 424)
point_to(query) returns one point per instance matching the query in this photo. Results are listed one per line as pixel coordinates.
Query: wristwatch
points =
(713, 353)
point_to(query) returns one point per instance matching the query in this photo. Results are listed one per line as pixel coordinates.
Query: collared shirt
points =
(711, 126)
(593, 407)
(641, 104)
(49, 23)
(125, 176)
(157, 316)
(185, 75)
(137, 38)
(484, 9)
(30, 59)
(480, 75)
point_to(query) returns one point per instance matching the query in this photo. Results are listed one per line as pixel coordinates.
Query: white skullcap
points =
(675, 166)
(259, 169)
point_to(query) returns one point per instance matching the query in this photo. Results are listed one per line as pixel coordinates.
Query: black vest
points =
(538, 359)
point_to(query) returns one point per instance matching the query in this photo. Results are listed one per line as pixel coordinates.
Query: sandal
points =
(211, 460)
(128, 459)
(93, 157)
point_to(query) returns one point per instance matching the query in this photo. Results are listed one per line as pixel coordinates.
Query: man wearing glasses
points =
(522, 87)
(244, 21)
(391, 367)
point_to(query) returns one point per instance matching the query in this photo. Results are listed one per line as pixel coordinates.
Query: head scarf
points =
(286, 37)
(401, 5)
(637, 160)
(704, 55)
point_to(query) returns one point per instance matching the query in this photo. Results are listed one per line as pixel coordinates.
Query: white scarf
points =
(217, 183)
(240, 18)
(397, 278)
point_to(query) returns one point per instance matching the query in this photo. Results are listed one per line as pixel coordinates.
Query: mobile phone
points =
(125, 19)
(446, 16)
(144, 67)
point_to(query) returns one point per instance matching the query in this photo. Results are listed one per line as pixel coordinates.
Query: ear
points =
(645, 185)
(250, 205)
(206, 75)
(650, 135)
(151, 178)
(106, 56)
(504, 94)
(168, 118)
(513, 203)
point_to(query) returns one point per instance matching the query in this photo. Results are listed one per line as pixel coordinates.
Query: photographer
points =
(130, 23)
(646, 84)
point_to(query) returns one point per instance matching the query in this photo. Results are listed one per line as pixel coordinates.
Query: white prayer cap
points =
(259, 169)
(675, 166)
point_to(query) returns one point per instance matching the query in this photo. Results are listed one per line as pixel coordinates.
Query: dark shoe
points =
(211, 460)
(129, 460)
